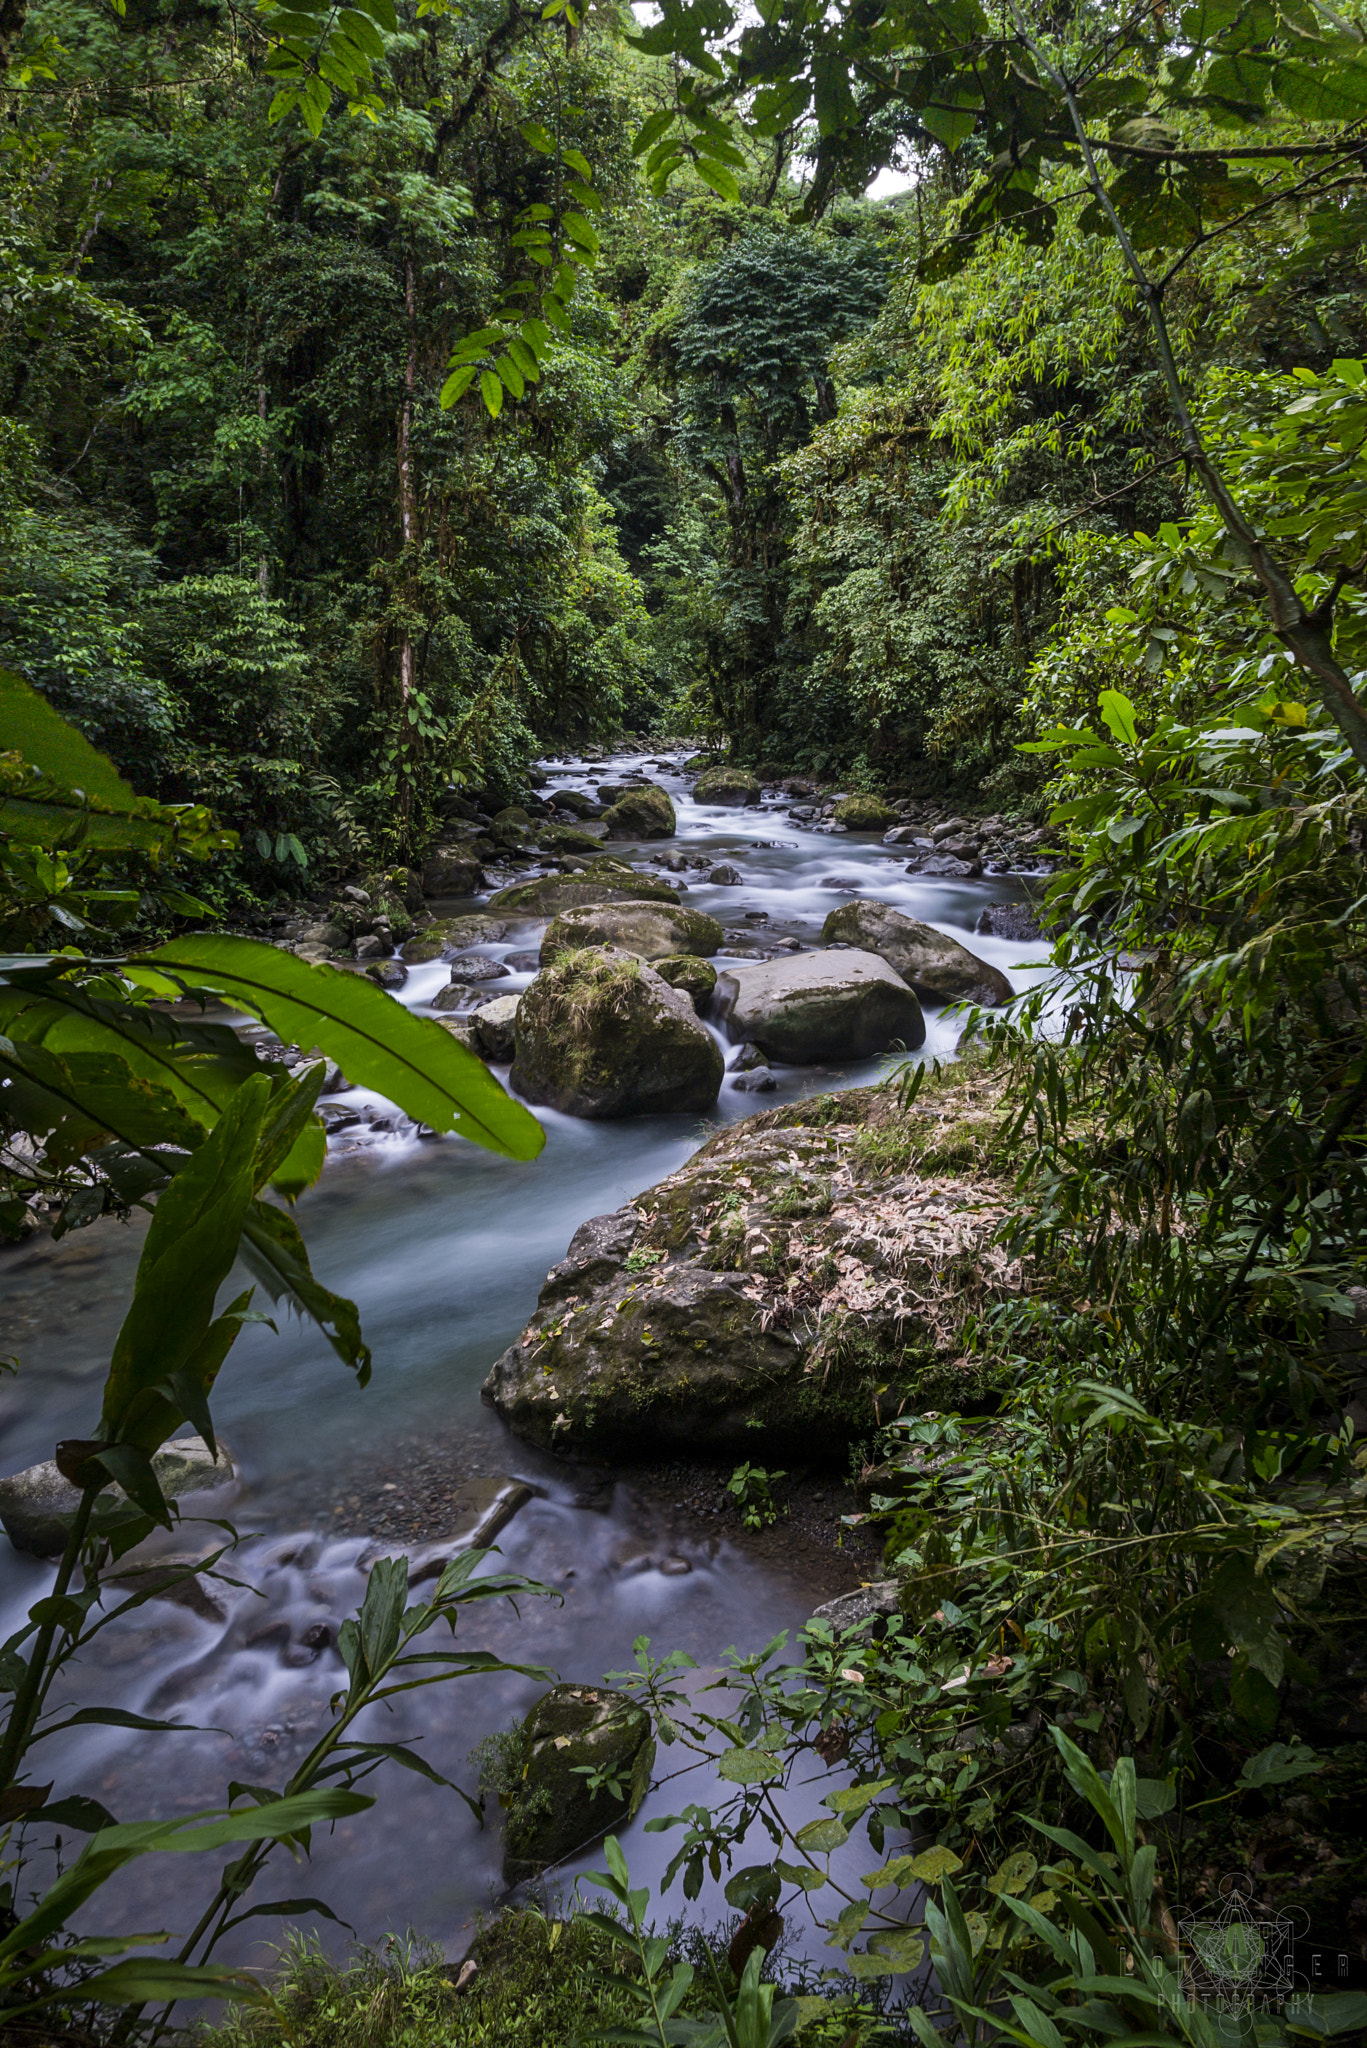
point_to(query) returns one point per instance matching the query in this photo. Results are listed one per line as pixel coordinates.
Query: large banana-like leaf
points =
(379, 1043)
(275, 1253)
(61, 791)
(188, 1254)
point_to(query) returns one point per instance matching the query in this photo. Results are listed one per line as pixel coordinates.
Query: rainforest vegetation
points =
(395, 395)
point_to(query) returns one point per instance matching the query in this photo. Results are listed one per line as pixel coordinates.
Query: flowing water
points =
(444, 1248)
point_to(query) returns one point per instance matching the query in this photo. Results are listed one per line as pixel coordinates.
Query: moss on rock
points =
(599, 1034)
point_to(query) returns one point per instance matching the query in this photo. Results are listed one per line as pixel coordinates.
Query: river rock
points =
(754, 1081)
(760, 1301)
(554, 1814)
(477, 967)
(652, 931)
(551, 894)
(34, 1501)
(445, 937)
(600, 1034)
(944, 867)
(644, 813)
(482, 1508)
(462, 1029)
(568, 839)
(724, 876)
(939, 969)
(452, 871)
(819, 1006)
(864, 814)
(869, 1606)
(697, 978)
(727, 786)
(391, 974)
(579, 801)
(494, 1026)
(1015, 921)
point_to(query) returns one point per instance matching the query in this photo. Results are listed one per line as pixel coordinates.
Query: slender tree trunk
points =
(408, 493)
(263, 560)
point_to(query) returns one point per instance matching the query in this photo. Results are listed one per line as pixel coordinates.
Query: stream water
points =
(444, 1248)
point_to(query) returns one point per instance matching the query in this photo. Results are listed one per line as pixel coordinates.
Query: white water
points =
(444, 1248)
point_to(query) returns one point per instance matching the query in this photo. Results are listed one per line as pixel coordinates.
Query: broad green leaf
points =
(145, 1980)
(375, 1040)
(819, 1837)
(926, 1866)
(854, 1798)
(1279, 1764)
(748, 1766)
(29, 726)
(1117, 715)
(802, 1874)
(716, 175)
(491, 390)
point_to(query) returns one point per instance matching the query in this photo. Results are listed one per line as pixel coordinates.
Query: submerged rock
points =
(552, 894)
(727, 786)
(600, 1034)
(819, 1006)
(939, 969)
(1016, 921)
(554, 1813)
(697, 978)
(33, 1502)
(652, 931)
(645, 813)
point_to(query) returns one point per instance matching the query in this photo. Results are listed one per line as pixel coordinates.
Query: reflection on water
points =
(444, 1248)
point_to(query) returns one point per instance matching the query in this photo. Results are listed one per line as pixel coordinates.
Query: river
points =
(444, 1248)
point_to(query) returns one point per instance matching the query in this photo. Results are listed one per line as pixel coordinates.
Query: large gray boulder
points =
(34, 1502)
(939, 969)
(494, 1026)
(660, 1362)
(727, 786)
(819, 1006)
(553, 1813)
(653, 931)
(599, 1034)
(644, 813)
(452, 871)
(551, 894)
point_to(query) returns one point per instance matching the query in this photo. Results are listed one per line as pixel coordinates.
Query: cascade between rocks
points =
(445, 1249)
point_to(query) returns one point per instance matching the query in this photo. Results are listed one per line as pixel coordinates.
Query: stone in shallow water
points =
(726, 877)
(754, 1081)
(484, 1507)
(477, 967)
(937, 967)
(810, 1007)
(33, 1502)
(555, 1814)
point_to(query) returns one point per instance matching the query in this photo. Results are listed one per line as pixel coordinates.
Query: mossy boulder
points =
(549, 895)
(645, 813)
(568, 839)
(807, 1269)
(600, 1035)
(697, 978)
(939, 969)
(819, 1006)
(864, 814)
(579, 801)
(727, 786)
(554, 1814)
(452, 871)
(447, 936)
(650, 930)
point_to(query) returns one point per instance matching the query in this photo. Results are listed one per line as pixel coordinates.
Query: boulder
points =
(568, 839)
(34, 1502)
(869, 1606)
(513, 815)
(445, 937)
(697, 978)
(390, 974)
(477, 967)
(553, 1813)
(725, 877)
(819, 1006)
(754, 1081)
(452, 871)
(864, 814)
(727, 786)
(550, 894)
(462, 1029)
(579, 801)
(939, 969)
(945, 867)
(1016, 921)
(645, 813)
(600, 1034)
(652, 931)
(493, 1025)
